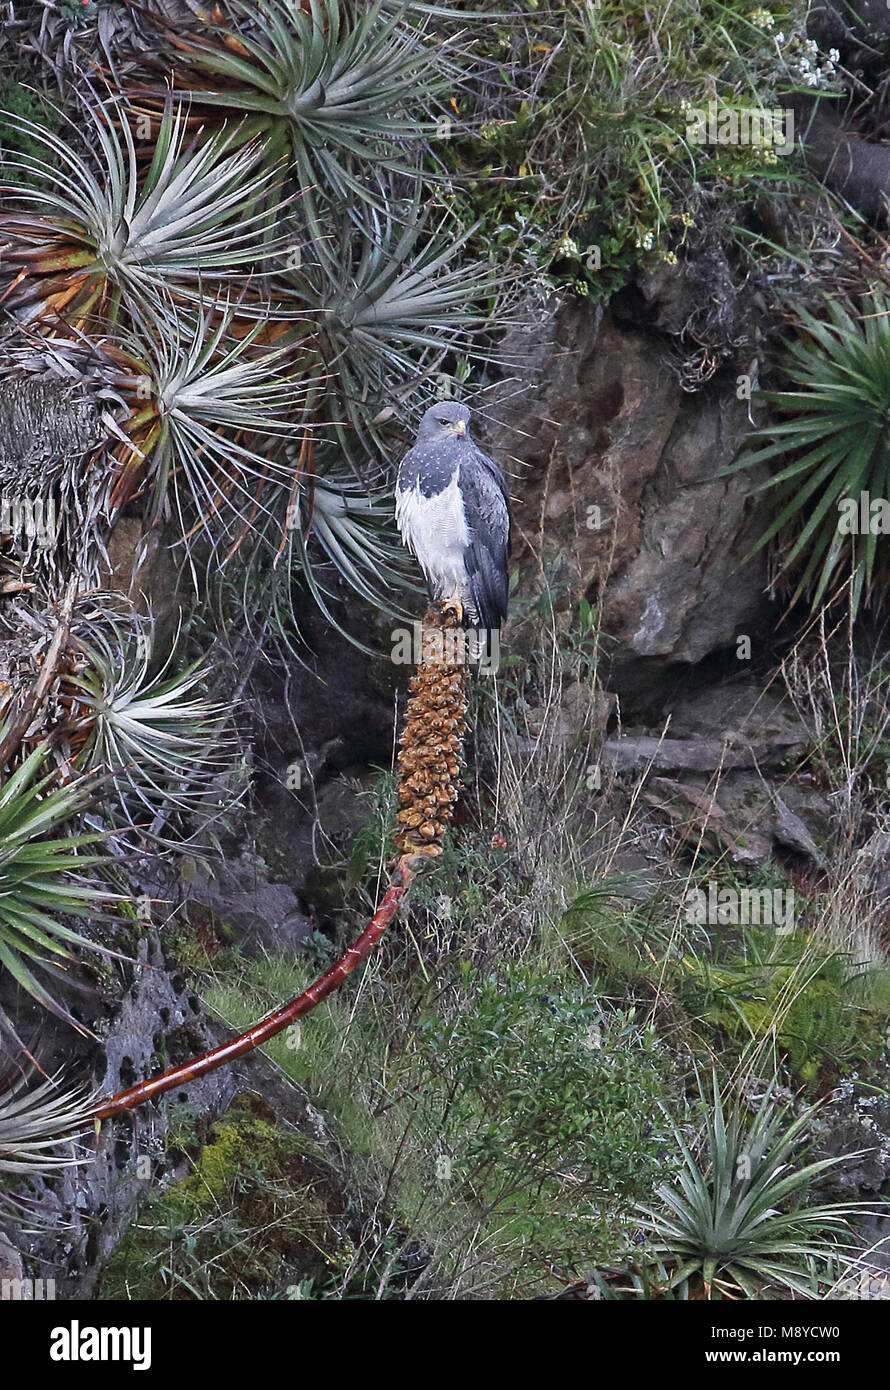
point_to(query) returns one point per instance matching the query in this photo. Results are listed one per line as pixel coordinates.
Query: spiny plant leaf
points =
(835, 447)
(38, 1130)
(98, 232)
(388, 300)
(332, 532)
(42, 879)
(151, 732)
(209, 410)
(346, 85)
(352, 527)
(736, 1211)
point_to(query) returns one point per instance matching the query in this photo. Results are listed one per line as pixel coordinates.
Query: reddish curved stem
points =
(281, 1018)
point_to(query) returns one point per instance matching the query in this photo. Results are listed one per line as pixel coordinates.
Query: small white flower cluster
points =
(567, 248)
(802, 57)
(762, 19)
(645, 241)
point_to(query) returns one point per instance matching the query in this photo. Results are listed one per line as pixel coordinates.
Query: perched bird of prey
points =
(453, 511)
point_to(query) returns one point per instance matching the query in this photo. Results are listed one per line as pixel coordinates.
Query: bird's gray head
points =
(443, 420)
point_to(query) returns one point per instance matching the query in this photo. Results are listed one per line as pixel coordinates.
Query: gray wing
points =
(487, 510)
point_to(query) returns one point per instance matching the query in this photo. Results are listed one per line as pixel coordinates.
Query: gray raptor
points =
(453, 511)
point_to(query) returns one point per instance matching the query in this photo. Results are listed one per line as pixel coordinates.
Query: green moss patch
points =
(258, 1216)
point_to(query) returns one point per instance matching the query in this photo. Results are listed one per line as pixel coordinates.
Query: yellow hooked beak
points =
(459, 427)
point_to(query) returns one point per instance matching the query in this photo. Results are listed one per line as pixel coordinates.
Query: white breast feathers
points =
(435, 528)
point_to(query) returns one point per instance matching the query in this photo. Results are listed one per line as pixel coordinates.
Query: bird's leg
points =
(454, 604)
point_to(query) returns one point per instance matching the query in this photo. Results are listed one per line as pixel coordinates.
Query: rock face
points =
(262, 915)
(614, 468)
(723, 768)
(843, 141)
(86, 1209)
(857, 27)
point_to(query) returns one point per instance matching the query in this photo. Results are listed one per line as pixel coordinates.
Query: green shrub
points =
(547, 1108)
(515, 1112)
(16, 103)
(576, 148)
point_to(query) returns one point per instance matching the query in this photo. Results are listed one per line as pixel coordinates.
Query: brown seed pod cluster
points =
(432, 739)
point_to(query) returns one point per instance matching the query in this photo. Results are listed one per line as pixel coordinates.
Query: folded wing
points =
(487, 512)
